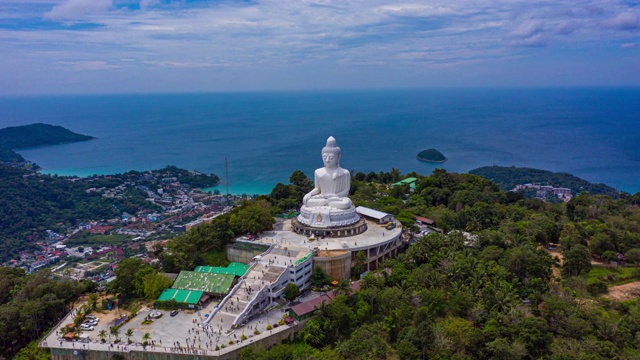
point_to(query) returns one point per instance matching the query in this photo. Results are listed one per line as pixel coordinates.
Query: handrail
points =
(250, 304)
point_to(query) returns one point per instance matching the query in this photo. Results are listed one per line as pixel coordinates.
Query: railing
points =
(224, 300)
(240, 318)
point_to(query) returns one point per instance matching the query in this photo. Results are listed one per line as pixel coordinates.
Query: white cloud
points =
(625, 21)
(263, 35)
(90, 65)
(74, 9)
(528, 28)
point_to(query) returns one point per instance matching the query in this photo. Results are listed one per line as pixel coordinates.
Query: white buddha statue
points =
(332, 183)
(328, 204)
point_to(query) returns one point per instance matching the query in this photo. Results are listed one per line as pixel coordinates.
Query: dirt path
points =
(625, 291)
(556, 268)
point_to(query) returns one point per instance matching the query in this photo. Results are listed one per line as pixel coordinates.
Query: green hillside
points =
(508, 177)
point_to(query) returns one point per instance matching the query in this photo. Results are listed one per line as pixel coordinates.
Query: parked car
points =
(86, 327)
(91, 317)
(174, 313)
(91, 322)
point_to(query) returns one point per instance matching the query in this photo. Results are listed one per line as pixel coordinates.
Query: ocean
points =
(593, 133)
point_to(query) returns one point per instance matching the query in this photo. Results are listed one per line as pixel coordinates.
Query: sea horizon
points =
(590, 132)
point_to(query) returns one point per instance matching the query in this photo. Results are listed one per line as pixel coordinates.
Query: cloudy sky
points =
(125, 46)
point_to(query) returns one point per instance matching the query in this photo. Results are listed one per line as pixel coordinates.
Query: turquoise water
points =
(592, 133)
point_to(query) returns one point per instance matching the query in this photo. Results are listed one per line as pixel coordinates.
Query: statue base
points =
(356, 228)
(327, 217)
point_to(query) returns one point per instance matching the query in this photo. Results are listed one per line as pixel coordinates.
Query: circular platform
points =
(335, 232)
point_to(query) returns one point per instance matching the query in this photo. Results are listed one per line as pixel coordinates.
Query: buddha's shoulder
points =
(342, 172)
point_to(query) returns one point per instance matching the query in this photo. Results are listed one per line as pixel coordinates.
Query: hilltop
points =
(508, 177)
(25, 136)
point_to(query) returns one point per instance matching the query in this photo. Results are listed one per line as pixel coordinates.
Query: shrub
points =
(256, 332)
(243, 337)
(597, 288)
(269, 327)
(230, 342)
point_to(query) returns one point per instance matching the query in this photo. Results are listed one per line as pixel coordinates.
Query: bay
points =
(593, 133)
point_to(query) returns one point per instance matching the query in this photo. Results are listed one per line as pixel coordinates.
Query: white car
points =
(86, 327)
(91, 322)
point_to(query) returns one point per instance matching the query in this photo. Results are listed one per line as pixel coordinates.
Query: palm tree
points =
(102, 334)
(395, 175)
(93, 301)
(129, 334)
(343, 287)
(115, 332)
(145, 338)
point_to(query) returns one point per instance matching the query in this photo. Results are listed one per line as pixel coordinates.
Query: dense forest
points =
(207, 243)
(25, 136)
(501, 296)
(508, 177)
(31, 304)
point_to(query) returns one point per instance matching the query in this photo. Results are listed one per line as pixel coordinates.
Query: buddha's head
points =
(331, 154)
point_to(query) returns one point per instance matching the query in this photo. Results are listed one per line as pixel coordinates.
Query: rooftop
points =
(181, 296)
(213, 283)
(235, 268)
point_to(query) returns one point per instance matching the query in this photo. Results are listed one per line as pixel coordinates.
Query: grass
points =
(613, 276)
(87, 239)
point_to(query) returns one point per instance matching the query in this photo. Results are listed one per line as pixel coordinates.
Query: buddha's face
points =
(330, 159)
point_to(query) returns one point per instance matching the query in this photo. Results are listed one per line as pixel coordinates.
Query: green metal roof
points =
(411, 181)
(235, 268)
(202, 281)
(181, 296)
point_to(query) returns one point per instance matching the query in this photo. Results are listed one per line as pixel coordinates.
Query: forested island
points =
(26, 136)
(508, 177)
(431, 155)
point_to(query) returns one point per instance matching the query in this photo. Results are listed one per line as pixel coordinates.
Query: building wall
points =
(244, 254)
(263, 341)
(336, 263)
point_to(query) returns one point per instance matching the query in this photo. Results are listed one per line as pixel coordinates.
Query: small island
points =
(431, 155)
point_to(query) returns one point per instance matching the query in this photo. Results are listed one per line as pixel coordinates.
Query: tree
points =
(145, 338)
(102, 334)
(577, 260)
(92, 301)
(343, 287)
(312, 333)
(633, 256)
(125, 277)
(129, 334)
(115, 332)
(291, 292)
(252, 217)
(298, 178)
(319, 277)
(154, 284)
(609, 256)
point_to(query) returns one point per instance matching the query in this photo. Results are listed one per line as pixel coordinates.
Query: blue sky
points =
(130, 46)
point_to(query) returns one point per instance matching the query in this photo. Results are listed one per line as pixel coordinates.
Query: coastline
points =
(431, 161)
